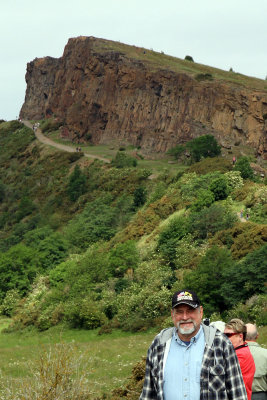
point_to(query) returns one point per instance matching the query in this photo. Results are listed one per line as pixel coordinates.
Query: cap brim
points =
(191, 304)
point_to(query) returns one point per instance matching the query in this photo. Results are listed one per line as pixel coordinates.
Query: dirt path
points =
(43, 139)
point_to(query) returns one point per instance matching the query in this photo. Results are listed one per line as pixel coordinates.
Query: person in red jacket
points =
(236, 331)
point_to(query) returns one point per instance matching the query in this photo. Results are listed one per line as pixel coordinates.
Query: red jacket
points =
(247, 366)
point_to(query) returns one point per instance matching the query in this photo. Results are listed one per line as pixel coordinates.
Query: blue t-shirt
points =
(183, 367)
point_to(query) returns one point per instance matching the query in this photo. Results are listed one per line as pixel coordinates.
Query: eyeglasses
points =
(231, 334)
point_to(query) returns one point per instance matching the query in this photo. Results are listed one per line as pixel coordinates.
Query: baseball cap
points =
(185, 297)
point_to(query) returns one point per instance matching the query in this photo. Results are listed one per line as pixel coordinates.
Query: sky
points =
(219, 33)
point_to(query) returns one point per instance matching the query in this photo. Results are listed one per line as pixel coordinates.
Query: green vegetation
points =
(96, 246)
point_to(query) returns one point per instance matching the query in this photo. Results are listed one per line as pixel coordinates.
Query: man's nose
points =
(185, 315)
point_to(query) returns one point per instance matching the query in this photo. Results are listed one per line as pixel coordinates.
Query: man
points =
(191, 361)
(236, 331)
(259, 385)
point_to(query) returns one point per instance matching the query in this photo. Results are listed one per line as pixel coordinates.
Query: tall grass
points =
(56, 375)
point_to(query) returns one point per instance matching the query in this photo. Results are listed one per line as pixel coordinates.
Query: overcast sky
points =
(221, 33)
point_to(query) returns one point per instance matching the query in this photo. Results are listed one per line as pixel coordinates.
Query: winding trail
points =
(43, 139)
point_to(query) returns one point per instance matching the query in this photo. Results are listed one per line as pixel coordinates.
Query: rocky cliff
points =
(104, 94)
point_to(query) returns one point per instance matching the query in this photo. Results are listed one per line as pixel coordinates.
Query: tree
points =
(219, 187)
(208, 277)
(203, 146)
(77, 184)
(176, 151)
(139, 197)
(244, 167)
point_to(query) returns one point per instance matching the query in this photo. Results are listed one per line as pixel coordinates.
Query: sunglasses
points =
(231, 334)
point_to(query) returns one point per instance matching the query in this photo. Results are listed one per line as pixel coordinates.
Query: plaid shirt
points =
(220, 378)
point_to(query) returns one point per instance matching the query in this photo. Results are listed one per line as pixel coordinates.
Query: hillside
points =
(102, 245)
(102, 91)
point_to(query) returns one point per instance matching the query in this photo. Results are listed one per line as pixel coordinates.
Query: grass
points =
(107, 360)
(158, 60)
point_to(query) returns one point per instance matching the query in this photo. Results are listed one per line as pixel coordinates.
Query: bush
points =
(123, 160)
(176, 151)
(234, 180)
(204, 199)
(203, 146)
(170, 236)
(210, 220)
(243, 165)
(77, 184)
(189, 58)
(219, 188)
(253, 310)
(84, 314)
(139, 197)
(10, 302)
(204, 77)
(56, 374)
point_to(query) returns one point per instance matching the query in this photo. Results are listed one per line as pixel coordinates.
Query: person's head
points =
(186, 313)
(236, 331)
(252, 332)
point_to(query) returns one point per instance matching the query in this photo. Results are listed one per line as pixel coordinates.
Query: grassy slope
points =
(156, 60)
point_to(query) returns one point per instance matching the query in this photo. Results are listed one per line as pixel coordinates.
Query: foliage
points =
(18, 268)
(176, 151)
(123, 160)
(170, 237)
(77, 184)
(50, 125)
(204, 199)
(189, 58)
(243, 238)
(139, 196)
(243, 165)
(98, 221)
(219, 187)
(204, 77)
(10, 302)
(234, 180)
(248, 278)
(56, 374)
(203, 146)
(253, 310)
(208, 277)
(84, 314)
(210, 220)
(208, 165)
(123, 257)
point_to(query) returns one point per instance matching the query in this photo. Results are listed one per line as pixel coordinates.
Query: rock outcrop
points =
(106, 95)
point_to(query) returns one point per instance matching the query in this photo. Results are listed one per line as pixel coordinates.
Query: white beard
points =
(187, 331)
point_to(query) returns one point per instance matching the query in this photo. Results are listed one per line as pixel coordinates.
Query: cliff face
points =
(110, 96)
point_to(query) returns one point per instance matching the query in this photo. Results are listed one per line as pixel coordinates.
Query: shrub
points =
(123, 257)
(204, 199)
(176, 151)
(189, 58)
(170, 236)
(123, 160)
(219, 188)
(234, 180)
(208, 277)
(56, 374)
(84, 314)
(211, 220)
(253, 310)
(204, 77)
(77, 184)
(243, 165)
(139, 198)
(10, 302)
(243, 238)
(203, 146)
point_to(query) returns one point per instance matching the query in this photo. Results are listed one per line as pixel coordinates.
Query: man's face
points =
(236, 338)
(187, 320)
